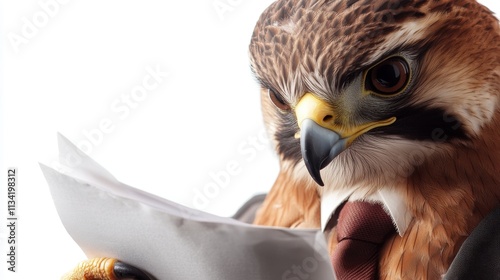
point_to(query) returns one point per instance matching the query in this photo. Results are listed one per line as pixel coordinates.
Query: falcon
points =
(388, 109)
(382, 104)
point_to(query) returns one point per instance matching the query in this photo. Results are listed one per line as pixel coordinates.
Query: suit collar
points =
(392, 201)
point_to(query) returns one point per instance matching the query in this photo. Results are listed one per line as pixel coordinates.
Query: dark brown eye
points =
(389, 77)
(278, 101)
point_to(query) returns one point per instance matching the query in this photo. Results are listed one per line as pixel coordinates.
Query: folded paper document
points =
(110, 219)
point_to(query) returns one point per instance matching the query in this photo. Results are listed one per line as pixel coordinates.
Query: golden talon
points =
(105, 269)
(93, 269)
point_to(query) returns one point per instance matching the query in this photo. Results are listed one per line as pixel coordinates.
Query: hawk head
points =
(363, 92)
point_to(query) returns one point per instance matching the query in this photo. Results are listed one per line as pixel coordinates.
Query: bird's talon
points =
(105, 269)
(125, 271)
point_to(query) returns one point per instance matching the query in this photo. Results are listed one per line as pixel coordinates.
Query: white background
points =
(72, 73)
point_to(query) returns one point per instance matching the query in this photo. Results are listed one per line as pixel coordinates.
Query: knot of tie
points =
(361, 231)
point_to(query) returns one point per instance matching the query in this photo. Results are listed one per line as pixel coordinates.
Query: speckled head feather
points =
(337, 39)
(443, 151)
(324, 46)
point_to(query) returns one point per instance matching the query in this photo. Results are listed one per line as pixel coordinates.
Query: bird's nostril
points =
(328, 118)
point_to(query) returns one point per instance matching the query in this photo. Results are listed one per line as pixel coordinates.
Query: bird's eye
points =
(278, 100)
(389, 77)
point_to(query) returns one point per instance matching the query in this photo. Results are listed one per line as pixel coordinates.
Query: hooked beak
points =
(321, 138)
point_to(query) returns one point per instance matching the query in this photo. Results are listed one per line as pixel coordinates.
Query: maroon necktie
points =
(361, 231)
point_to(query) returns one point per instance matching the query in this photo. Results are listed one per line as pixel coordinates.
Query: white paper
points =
(110, 219)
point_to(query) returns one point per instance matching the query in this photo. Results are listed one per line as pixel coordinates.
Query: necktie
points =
(361, 231)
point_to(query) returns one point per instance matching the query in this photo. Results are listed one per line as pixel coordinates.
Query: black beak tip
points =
(318, 180)
(314, 172)
(319, 146)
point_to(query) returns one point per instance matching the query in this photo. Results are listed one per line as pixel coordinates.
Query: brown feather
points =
(290, 204)
(457, 183)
